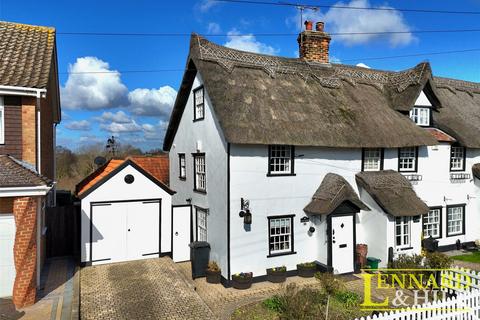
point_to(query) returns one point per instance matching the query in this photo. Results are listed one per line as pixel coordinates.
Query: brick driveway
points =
(144, 289)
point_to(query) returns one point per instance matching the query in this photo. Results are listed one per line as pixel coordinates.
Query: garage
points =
(7, 266)
(126, 211)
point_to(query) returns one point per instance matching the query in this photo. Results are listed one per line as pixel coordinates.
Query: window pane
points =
(372, 159)
(280, 235)
(280, 158)
(455, 220)
(420, 116)
(457, 155)
(407, 159)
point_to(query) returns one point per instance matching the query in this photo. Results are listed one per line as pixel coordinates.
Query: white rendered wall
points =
(270, 196)
(116, 189)
(215, 148)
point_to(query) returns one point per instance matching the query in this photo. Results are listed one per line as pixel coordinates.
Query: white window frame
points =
(458, 218)
(280, 241)
(405, 234)
(407, 159)
(198, 104)
(200, 172)
(421, 116)
(372, 159)
(2, 121)
(280, 160)
(457, 158)
(182, 166)
(202, 225)
(432, 221)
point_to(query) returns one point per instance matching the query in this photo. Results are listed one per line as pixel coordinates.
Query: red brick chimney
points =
(313, 45)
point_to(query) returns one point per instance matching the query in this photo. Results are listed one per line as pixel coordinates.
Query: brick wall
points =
(25, 251)
(29, 148)
(13, 127)
(6, 205)
(314, 46)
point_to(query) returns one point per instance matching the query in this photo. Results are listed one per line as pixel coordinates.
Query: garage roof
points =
(155, 168)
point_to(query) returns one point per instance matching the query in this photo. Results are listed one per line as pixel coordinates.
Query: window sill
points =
(281, 254)
(200, 191)
(405, 248)
(281, 174)
(456, 234)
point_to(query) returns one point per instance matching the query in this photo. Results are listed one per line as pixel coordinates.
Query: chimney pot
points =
(319, 26)
(308, 25)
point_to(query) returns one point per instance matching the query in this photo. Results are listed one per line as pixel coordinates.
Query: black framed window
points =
(280, 235)
(281, 160)
(201, 220)
(408, 159)
(455, 220)
(198, 104)
(182, 166)
(458, 157)
(199, 172)
(432, 223)
(372, 159)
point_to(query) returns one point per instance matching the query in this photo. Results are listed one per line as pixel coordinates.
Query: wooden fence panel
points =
(63, 231)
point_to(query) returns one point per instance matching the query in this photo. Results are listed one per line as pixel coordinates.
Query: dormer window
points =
(420, 115)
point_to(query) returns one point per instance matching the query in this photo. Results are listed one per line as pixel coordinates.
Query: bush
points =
(330, 284)
(348, 298)
(407, 261)
(274, 303)
(301, 304)
(213, 267)
(307, 264)
(437, 260)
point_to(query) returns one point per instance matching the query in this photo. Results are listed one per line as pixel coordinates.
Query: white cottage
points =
(320, 157)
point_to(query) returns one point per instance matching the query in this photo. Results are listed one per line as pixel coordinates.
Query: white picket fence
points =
(460, 280)
(463, 283)
(465, 306)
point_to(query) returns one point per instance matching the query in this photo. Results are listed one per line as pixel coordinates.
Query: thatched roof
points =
(333, 191)
(261, 99)
(476, 170)
(460, 116)
(393, 193)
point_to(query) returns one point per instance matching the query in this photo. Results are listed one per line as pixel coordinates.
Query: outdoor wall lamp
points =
(245, 211)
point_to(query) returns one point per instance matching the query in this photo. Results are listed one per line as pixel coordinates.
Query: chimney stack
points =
(314, 45)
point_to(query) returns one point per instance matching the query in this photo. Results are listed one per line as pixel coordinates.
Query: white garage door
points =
(123, 231)
(7, 266)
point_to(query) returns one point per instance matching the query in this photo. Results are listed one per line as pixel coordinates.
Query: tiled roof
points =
(97, 175)
(14, 173)
(25, 54)
(157, 166)
(440, 135)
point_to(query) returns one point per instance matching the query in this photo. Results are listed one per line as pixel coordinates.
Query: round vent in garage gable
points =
(129, 179)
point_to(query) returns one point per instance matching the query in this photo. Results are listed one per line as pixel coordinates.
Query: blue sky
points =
(135, 106)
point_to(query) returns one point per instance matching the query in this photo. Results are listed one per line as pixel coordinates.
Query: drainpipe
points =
(39, 147)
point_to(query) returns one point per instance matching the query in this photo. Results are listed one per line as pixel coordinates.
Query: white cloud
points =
(248, 43)
(213, 28)
(81, 125)
(119, 117)
(339, 20)
(206, 5)
(334, 59)
(91, 139)
(65, 116)
(363, 65)
(115, 127)
(152, 102)
(155, 132)
(92, 85)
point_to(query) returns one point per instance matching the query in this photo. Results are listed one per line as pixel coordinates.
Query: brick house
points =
(29, 113)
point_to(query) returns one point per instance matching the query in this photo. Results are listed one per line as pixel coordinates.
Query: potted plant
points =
(307, 269)
(277, 274)
(213, 272)
(242, 280)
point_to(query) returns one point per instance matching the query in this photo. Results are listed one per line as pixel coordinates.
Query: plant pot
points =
(276, 276)
(213, 276)
(242, 283)
(306, 271)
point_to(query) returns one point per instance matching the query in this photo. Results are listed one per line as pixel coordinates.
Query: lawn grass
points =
(471, 257)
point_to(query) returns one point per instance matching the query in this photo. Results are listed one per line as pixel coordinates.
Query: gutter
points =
(23, 91)
(24, 191)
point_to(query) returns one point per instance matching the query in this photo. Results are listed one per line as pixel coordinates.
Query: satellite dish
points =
(100, 161)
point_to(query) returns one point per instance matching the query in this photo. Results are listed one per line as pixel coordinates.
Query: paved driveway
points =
(145, 289)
